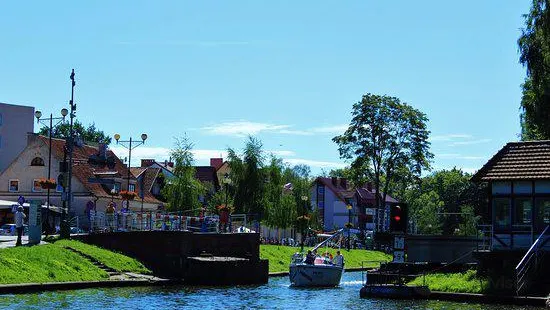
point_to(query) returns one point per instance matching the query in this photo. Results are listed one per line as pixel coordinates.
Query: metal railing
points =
(485, 237)
(530, 262)
(98, 222)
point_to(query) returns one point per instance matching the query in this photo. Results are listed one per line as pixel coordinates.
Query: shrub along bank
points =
(279, 256)
(465, 282)
(54, 263)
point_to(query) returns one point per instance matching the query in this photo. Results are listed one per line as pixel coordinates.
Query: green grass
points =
(279, 256)
(466, 282)
(118, 262)
(45, 263)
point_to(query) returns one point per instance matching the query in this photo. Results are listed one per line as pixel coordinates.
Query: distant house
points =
(370, 217)
(222, 169)
(332, 196)
(15, 122)
(89, 183)
(518, 178)
(153, 176)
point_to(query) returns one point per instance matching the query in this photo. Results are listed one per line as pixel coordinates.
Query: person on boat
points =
(328, 258)
(310, 258)
(338, 259)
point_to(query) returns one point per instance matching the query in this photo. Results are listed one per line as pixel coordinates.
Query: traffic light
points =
(398, 218)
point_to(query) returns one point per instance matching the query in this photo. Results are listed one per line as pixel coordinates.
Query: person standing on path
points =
(339, 259)
(19, 219)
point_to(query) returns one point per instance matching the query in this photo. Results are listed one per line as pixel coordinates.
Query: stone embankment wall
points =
(167, 253)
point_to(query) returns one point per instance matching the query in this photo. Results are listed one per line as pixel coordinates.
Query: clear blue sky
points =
(285, 71)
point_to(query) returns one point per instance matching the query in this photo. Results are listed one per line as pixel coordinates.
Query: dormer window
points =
(37, 161)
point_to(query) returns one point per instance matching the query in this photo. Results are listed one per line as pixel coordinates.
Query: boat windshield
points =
(297, 258)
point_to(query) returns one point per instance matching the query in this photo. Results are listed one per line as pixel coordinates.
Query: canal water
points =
(275, 295)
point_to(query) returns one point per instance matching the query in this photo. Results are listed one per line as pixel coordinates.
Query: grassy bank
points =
(466, 282)
(46, 263)
(279, 256)
(54, 263)
(118, 262)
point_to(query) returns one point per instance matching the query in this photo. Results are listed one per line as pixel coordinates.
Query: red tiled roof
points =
(517, 161)
(341, 192)
(207, 174)
(82, 170)
(136, 171)
(369, 196)
(149, 177)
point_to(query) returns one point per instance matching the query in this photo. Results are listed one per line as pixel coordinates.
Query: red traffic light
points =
(397, 218)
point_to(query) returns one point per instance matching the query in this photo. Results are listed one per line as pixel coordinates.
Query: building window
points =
(117, 187)
(501, 212)
(542, 187)
(131, 187)
(542, 215)
(37, 161)
(59, 187)
(14, 185)
(523, 208)
(36, 185)
(523, 187)
(502, 188)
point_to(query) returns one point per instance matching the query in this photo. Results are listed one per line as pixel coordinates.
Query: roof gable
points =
(83, 171)
(517, 161)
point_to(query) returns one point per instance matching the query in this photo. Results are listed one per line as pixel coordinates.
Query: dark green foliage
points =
(247, 178)
(386, 142)
(89, 134)
(443, 192)
(534, 46)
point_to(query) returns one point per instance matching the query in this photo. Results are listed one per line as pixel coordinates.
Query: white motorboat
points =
(320, 272)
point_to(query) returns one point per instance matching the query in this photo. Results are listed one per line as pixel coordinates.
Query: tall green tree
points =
(385, 136)
(534, 47)
(182, 191)
(89, 134)
(248, 178)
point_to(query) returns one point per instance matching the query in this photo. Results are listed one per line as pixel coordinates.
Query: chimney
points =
(171, 164)
(334, 181)
(102, 150)
(344, 183)
(216, 163)
(31, 137)
(147, 163)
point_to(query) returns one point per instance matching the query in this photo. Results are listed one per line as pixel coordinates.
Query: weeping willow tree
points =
(280, 203)
(248, 178)
(182, 191)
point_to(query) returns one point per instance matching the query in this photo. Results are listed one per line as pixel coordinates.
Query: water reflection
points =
(275, 295)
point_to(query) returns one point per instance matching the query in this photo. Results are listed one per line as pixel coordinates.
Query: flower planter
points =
(127, 195)
(47, 183)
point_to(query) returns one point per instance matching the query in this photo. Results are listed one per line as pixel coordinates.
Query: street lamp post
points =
(130, 145)
(69, 145)
(304, 211)
(349, 207)
(226, 181)
(50, 127)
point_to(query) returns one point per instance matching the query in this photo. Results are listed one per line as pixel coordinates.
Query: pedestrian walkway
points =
(9, 241)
